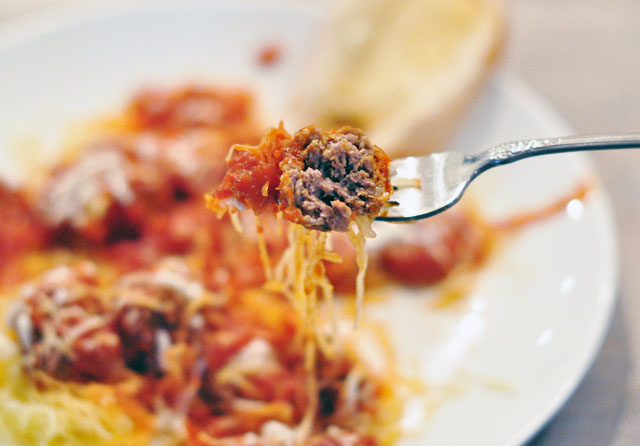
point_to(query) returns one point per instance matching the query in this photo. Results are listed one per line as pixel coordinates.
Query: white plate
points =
(537, 315)
(529, 330)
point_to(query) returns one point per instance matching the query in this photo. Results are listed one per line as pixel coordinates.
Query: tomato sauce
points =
(126, 214)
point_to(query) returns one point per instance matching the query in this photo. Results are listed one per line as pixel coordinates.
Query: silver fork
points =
(427, 185)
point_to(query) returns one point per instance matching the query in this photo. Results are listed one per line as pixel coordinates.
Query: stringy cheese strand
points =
(264, 253)
(300, 275)
(362, 259)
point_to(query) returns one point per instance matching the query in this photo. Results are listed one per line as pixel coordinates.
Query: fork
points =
(427, 185)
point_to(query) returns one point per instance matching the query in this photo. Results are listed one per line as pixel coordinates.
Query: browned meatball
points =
(149, 308)
(321, 179)
(64, 327)
(334, 177)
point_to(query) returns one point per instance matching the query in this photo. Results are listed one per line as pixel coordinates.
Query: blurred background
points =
(583, 56)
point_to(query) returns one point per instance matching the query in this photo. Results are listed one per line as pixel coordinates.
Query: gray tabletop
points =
(584, 56)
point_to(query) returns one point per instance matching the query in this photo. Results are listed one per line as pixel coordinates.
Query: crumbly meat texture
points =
(320, 179)
(333, 177)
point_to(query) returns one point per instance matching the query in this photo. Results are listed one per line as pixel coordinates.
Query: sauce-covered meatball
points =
(321, 179)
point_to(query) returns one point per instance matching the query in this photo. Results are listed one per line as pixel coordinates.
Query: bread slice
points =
(403, 70)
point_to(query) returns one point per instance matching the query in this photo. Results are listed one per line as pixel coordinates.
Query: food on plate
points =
(171, 352)
(405, 71)
(22, 230)
(131, 314)
(320, 179)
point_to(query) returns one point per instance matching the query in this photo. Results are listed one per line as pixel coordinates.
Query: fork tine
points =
(425, 186)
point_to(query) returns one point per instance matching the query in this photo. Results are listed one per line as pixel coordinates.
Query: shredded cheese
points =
(405, 183)
(358, 240)
(265, 189)
(264, 254)
(254, 358)
(235, 220)
(82, 192)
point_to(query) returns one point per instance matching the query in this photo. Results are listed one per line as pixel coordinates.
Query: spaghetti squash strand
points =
(358, 240)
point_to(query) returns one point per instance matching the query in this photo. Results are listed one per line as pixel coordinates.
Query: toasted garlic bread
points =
(403, 70)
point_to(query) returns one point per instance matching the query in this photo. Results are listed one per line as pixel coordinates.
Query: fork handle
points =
(513, 151)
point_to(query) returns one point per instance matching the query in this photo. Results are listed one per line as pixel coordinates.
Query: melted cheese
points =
(358, 240)
(300, 275)
(264, 254)
(83, 191)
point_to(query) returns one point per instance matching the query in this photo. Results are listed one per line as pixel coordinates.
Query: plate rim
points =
(607, 289)
(52, 17)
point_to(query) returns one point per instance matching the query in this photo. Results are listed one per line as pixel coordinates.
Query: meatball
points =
(62, 322)
(320, 179)
(333, 177)
(150, 305)
(190, 107)
(427, 251)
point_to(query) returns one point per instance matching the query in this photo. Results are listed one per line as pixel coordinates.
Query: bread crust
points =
(426, 100)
